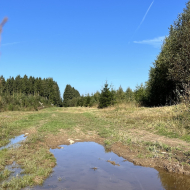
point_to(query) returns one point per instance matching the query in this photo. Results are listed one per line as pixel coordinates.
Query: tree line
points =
(168, 81)
(169, 77)
(28, 92)
(106, 97)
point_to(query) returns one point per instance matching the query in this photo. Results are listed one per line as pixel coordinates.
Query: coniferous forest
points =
(168, 81)
(170, 75)
(28, 92)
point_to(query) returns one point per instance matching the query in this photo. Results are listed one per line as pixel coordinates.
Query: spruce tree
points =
(69, 94)
(25, 85)
(106, 97)
(129, 94)
(120, 94)
(18, 84)
(2, 84)
(9, 86)
(31, 81)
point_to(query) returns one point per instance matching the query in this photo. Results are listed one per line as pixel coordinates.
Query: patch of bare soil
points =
(131, 152)
(53, 141)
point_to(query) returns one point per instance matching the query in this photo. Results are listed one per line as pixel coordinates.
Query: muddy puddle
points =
(87, 166)
(15, 170)
(14, 142)
(14, 167)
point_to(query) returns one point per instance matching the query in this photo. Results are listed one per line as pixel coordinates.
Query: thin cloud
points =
(9, 44)
(156, 42)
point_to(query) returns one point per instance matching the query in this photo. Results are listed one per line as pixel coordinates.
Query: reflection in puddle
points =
(174, 181)
(85, 166)
(14, 142)
(15, 169)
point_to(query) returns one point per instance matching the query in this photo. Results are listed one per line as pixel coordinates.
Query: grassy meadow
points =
(160, 128)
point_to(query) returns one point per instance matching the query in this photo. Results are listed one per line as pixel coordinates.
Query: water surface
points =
(14, 142)
(84, 166)
(15, 169)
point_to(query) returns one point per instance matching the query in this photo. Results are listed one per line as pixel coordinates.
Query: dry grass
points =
(125, 123)
(130, 122)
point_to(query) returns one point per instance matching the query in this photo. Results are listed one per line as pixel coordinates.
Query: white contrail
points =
(145, 14)
(143, 17)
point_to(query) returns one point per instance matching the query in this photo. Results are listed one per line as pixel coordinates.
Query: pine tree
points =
(18, 84)
(69, 94)
(25, 85)
(2, 85)
(120, 94)
(9, 86)
(97, 96)
(129, 95)
(140, 94)
(106, 97)
(87, 102)
(31, 81)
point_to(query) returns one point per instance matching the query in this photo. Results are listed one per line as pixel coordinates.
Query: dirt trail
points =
(142, 135)
(131, 152)
(135, 144)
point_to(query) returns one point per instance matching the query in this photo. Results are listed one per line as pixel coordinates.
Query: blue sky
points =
(85, 42)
